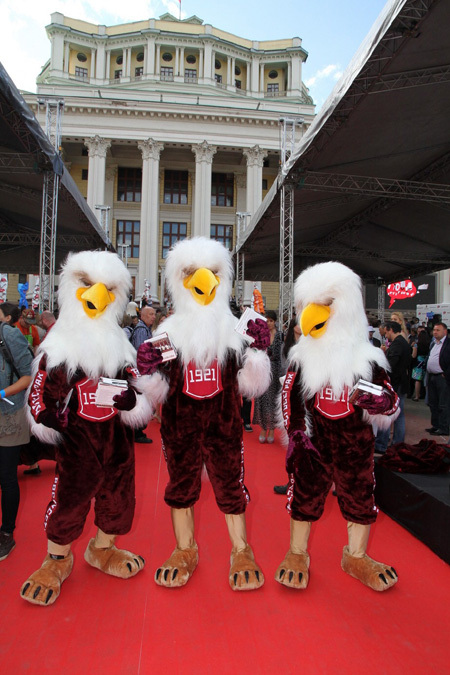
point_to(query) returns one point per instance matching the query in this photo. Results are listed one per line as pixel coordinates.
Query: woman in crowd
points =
(420, 352)
(15, 369)
(399, 318)
(265, 409)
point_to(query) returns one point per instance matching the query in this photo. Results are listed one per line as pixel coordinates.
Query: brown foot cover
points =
(44, 585)
(245, 574)
(114, 561)
(178, 569)
(373, 574)
(294, 570)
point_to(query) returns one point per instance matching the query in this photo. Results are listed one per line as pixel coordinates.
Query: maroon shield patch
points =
(86, 403)
(202, 382)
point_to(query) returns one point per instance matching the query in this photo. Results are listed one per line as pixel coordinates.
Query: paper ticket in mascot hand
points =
(201, 414)
(94, 443)
(336, 386)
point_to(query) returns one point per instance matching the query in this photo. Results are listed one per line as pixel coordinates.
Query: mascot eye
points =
(85, 281)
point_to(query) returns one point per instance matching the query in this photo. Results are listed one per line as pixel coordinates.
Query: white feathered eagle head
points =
(199, 275)
(92, 296)
(334, 348)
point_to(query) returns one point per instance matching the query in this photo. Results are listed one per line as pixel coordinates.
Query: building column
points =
(150, 56)
(128, 73)
(66, 57)
(261, 78)
(158, 60)
(201, 74)
(149, 230)
(255, 160)
(204, 153)
(181, 65)
(57, 55)
(254, 79)
(108, 64)
(100, 70)
(98, 147)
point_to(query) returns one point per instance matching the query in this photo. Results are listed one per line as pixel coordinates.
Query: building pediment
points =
(192, 19)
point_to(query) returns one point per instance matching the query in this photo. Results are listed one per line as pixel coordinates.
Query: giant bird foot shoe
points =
(294, 571)
(44, 586)
(245, 574)
(178, 569)
(373, 574)
(114, 561)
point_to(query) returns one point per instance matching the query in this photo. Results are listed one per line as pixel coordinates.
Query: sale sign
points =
(401, 290)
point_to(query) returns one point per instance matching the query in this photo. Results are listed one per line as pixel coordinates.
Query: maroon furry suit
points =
(339, 448)
(204, 430)
(94, 460)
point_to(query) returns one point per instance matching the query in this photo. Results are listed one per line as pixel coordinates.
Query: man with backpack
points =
(142, 332)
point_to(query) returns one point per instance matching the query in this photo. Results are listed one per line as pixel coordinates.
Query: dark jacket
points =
(375, 341)
(444, 359)
(399, 357)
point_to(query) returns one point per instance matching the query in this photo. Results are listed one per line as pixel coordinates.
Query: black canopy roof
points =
(371, 176)
(25, 154)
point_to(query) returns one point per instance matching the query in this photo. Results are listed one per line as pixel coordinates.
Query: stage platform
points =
(420, 503)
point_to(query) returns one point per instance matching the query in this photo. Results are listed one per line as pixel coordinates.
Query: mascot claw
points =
(245, 574)
(114, 561)
(375, 575)
(293, 572)
(178, 569)
(44, 586)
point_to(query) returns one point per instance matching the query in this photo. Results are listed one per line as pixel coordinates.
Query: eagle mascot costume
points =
(330, 436)
(201, 413)
(94, 445)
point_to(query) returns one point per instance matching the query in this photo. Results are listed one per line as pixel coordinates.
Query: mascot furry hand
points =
(94, 445)
(201, 414)
(330, 437)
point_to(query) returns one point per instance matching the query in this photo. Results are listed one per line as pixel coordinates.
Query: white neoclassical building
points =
(172, 127)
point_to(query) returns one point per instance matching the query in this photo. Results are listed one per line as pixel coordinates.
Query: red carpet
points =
(105, 625)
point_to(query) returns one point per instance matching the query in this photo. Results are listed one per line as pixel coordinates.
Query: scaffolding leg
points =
(48, 240)
(286, 255)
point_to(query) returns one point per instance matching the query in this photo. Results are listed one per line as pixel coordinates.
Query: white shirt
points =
(433, 366)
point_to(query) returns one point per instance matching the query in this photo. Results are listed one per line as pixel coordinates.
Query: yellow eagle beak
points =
(202, 284)
(95, 299)
(313, 320)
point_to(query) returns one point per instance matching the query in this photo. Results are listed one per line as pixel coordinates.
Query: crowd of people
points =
(418, 355)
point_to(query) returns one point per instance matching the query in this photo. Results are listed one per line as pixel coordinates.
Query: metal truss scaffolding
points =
(54, 109)
(286, 255)
(288, 127)
(241, 222)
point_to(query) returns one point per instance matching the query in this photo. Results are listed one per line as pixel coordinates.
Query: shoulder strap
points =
(7, 355)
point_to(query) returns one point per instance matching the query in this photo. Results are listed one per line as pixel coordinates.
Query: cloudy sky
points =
(331, 31)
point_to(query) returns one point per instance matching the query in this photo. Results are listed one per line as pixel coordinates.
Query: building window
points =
(117, 74)
(273, 87)
(172, 232)
(224, 234)
(237, 70)
(190, 74)
(222, 187)
(166, 73)
(175, 187)
(167, 56)
(191, 59)
(129, 184)
(84, 174)
(128, 233)
(82, 58)
(140, 57)
(238, 84)
(138, 72)
(81, 72)
(273, 74)
(217, 64)
(218, 78)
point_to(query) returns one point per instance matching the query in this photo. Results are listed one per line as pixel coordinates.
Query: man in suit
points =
(438, 381)
(399, 356)
(372, 339)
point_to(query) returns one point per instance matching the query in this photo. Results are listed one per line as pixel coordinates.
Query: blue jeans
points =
(383, 435)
